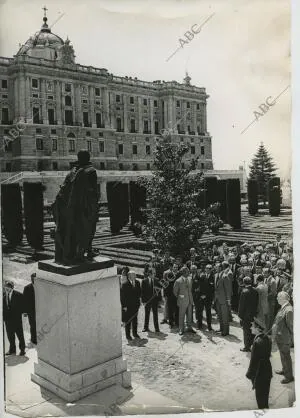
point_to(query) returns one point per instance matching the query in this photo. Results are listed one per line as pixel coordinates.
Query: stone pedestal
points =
(78, 329)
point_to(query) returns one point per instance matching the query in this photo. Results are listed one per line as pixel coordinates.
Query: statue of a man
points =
(75, 212)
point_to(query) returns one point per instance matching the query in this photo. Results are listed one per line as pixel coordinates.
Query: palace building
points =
(51, 107)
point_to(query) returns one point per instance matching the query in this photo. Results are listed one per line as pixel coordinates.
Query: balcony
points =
(38, 121)
(53, 122)
(87, 124)
(100, 125)
(148, 132)
(120, 130)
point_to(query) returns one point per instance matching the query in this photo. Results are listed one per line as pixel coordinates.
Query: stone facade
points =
(64, 107)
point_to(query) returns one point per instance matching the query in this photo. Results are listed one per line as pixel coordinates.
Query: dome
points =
(43, 44)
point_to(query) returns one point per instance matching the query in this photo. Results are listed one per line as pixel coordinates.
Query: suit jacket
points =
(227, 274)
(283, 325)
(149, 290)
(272, 288)
(130, 295)
(183, 291)
(207, 285)
(197, 288)
(169, 279)
(260, 369)
(29, 299)
(13, 311)
(263, 306)
(248, 304)
(222, 288)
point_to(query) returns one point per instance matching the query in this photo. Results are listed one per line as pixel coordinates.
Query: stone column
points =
(59, 116)
(194, 117)
(92, 106)
(170, 113)
(105, 106)
(151, 104)
(78, 108)
(16, 95)
(204, 123)
(125, 98)
(165, 115)
(28, 102)
(140, 116)
(22, 89)
(184, 120)
(44, 106)
(174, 116)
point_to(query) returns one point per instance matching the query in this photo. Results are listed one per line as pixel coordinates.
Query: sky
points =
(241, 56)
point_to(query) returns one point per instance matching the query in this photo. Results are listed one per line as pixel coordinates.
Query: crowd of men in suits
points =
(252, 280)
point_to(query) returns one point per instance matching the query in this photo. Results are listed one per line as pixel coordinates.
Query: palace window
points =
(188, 105)
(119, 124)
(202, 165)
(155, 103)
(69, 117)
(98, 120)
(118, 98)
(193, 149)
(198, 106)
(4, 84)
(134, 149)
(36, 115)
(156, 127)
(101, 146)
(148, 150)
(38, 131)
(148, 166)
(202, 150)
(50, 97)
(53, 131)
(145, 102)
(4, 116)
(131, 100)
(35, 83)
(71, 145)
(88, 133)
(54, 144)
(132, 125)
(120, 149)
(85, 118)
(35, 95)
(51, 117)
(177, 103)
(135, 167)
(54, 165)
(146, 126)
(102, 165)
(121, 166)
(97, 91)
(68, 87)
(89, 145)
(39, 144)
(68, 101)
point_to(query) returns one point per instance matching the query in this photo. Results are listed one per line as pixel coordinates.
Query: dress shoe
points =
(22, 353)
(286, 380)
(129, 338)
(10, 352)
(137, 336)
(224, 334)
(279, 372)
(180, 332)
(191, 330)
(157, 330)
(164, 321)
(199, 326)
(210, 328)
(245, 350)
(145, 330)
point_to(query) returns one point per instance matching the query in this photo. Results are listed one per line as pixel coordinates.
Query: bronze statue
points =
(75, 212)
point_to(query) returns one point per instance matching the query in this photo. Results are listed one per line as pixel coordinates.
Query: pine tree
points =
(175, 220)
(262, 169)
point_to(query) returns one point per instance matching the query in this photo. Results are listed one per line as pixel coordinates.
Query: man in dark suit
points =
(169, 278)
(130, 301)
(29, 307)
(235, 286)
(260, 369)
(12, 316)
(282, 333)
(207, 287)
(223, 297)
(248, 307)
(150, 298)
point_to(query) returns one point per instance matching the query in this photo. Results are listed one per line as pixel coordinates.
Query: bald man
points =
(282, 332)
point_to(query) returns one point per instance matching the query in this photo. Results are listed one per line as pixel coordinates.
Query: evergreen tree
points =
(175, 219)
(262, 169)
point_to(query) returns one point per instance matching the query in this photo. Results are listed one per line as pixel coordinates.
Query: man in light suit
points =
(283, 335)
(183, 292)
(223, 288)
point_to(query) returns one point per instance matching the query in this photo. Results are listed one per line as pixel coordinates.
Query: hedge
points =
(11, 213)
(274, 196)
(233, 197)
(221, 198)
(118, 205)
(137, 202)
(252, 196)
(34, 214)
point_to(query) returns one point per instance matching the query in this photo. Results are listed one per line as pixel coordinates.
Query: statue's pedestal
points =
(78, 316)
